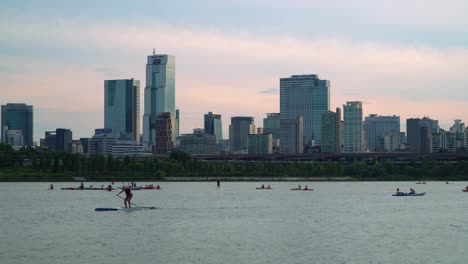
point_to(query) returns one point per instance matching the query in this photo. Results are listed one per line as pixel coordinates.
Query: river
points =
(338, 222)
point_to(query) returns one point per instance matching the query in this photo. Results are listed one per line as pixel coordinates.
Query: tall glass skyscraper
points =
(122, 108)
(19, 117)
(159, 95)
(352, 127)
(213, 125)
(331, 132)
(309, 97)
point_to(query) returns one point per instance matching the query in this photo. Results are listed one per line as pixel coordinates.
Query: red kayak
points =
(465, 190)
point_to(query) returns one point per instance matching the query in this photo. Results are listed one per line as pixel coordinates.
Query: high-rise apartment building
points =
(239, 130)
(159, 96)
(213, 125)
(292, 135)
(331, 132)
(309, 97)
(353, 127)
(122, 108)
(18, 117)
(377, 127)
(163, 129)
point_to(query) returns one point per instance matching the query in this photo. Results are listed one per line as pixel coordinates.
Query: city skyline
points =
(394, 70)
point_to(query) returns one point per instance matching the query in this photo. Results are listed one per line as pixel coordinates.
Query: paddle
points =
(124, 199)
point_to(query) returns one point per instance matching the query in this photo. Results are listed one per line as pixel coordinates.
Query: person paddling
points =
(128, 196)
(218, 184)
(51, 187)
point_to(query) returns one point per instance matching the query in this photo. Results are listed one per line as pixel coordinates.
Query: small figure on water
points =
(412, 191)
(218, 184)
(51, 187)
(128, 196)
(81, 186)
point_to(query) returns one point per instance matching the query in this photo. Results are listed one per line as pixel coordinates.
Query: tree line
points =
(47, 165)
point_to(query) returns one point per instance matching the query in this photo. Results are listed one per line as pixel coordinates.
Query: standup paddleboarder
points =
(128, 196)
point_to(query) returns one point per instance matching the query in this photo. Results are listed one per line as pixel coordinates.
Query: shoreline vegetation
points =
(29, 165)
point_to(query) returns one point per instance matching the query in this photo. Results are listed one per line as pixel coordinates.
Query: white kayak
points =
(104, 209)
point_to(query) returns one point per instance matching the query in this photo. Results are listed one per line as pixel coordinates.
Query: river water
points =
(345, 222)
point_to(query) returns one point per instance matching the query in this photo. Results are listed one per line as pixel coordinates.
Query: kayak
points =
(151, 188)
(260, 188)
(85, 189)
(297, 189)
(465, 190)
(410, 194)
(104, 209)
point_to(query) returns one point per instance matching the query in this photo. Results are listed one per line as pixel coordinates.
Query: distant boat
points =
(409, 194)
(104, 209)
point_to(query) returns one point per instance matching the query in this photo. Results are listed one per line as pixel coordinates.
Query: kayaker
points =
(157, 187)
(128, 196)
(263, 186)
(305, 188)
(109, 188)
(300, 187)
(398, 191)
(268, 187)
(412, 191)
(81, 186)
(52, 186)
(218, 184)
(466, 188)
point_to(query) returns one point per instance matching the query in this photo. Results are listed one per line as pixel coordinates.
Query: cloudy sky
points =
(408, 58)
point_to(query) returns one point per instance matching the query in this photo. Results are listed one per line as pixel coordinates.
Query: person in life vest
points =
(128, 196)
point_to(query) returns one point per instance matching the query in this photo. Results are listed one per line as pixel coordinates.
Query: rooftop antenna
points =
(154, 51)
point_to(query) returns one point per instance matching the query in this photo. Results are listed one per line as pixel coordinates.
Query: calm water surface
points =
(195, 223)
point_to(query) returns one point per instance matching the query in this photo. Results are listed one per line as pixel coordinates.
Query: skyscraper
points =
(18, 117)
(377, 127)
(309, 97)
(159, 95)
(292, 135)
(122, 108)
(213, 125)
(271, 125)
(63, 140)
(418, 133)
(331, 132)
(239, 130)
(352, 127)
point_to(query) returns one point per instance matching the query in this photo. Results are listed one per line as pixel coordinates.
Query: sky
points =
(405, 58)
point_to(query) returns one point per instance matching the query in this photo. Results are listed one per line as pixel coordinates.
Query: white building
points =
(14, 138)
(353, 127)
(159, 96)
(122, 108)
(378, 126)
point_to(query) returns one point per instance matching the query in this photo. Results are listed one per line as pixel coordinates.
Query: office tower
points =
(85, 144)
(163, 136)
(260, 144)
(352, 127)
(331, 131)
(63, 140)
(198, 143)
(416, 136)
(309, 97)
(122, 108)
(50, 140)
(292, 136)
(213, 125)
(239, 130)
(271, 125)
(159, 96)
(18, 117)
(102, 141)
(378, 126)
